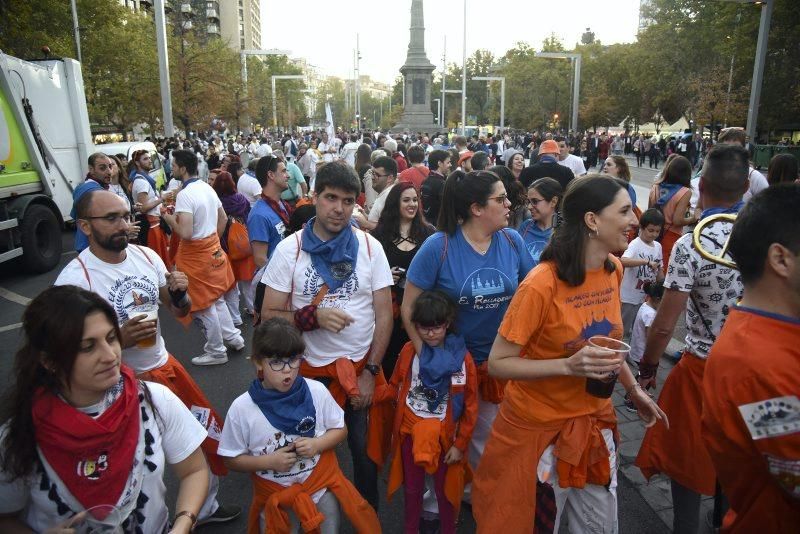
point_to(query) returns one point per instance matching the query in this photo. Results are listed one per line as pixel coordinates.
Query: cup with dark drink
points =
(603, 388)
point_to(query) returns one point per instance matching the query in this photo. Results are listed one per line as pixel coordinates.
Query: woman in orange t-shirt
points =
(561, 438)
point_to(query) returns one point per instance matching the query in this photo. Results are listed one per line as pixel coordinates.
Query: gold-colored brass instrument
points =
(699, 237)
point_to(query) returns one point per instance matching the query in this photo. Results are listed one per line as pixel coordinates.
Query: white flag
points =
(329, 120)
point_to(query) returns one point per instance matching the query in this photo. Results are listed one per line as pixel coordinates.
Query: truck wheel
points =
(41, 239)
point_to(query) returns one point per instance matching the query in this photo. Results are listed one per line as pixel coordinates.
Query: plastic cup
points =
(101, 519)
(605, 387)
(150, 311)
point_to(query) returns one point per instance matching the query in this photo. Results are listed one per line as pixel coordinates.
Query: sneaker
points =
(224, 513)
(210, 359)
(236, 345)
(428, 526)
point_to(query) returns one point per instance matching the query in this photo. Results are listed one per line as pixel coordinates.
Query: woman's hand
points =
(593, 362)
(646, 407)
(66, 526)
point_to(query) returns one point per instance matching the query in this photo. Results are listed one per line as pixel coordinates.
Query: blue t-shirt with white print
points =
(482, 285)
(535, 239)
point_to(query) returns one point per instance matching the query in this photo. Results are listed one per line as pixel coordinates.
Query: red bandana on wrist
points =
(283, 209)
(92, 457)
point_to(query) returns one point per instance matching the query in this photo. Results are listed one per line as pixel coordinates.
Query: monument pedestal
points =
(417, 70)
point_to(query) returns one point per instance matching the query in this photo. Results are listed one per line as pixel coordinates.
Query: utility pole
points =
(76, 30)
(358, 84)
(444, 75)
(163, 69)
(464, 78)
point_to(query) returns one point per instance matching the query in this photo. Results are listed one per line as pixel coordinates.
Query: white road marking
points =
(14, 297)
(10, 327)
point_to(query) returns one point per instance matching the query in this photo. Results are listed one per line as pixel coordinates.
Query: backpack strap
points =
(85, 271)
(146, 255)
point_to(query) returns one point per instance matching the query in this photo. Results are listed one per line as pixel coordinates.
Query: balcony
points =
(212, 29)
(212, 14)
(186, 24)
(186, 8)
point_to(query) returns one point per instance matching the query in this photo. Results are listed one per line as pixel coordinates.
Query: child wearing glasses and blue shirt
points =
(436, 405)
(284, 430)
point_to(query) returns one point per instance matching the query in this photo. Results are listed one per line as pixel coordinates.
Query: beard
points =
(115, 242)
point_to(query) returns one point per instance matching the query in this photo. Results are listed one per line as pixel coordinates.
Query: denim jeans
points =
(365, 472)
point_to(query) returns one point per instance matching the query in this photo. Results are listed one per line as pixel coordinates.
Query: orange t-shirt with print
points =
(551, 320)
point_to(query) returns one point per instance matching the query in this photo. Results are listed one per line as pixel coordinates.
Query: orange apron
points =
(157, 239)
(275, 500)
(680, 452)
(243, 270)
(174, 376)
(504, 489)
(208, 269)
(344, 385)
(431, 437)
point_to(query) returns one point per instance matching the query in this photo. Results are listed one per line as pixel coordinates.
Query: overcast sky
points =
(324, 31)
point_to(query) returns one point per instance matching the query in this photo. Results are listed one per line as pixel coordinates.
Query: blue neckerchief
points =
(713, 211)
(250, 173)
(190, 181)
(547, 158)
(335, 259)
(666, 192)
(437, 365)
(292, 413)
(140, 174)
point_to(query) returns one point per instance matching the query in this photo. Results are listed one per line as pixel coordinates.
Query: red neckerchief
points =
(92, 457)
(283, 210)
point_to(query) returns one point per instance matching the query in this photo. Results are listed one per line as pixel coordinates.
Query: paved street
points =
(642, 507)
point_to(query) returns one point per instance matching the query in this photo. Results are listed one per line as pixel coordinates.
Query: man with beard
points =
(134, 276)
(147, 202)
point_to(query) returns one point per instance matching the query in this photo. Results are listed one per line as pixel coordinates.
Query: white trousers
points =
(217, 326)
(232, 302)
(591, 509)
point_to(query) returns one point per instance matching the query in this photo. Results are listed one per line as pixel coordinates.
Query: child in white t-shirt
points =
(284, 430)
(642, 262)
(653, 291)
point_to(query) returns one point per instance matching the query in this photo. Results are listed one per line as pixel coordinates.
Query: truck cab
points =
(45, 141)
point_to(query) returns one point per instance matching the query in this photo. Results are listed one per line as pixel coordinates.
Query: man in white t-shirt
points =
(248, 183)
(263, 149)
(327, 149)
(349, 150)
(737, 136)
(337, 280)
(199, 220)
(147, 201)
(566, 159)
(131, 276)
(384, 177)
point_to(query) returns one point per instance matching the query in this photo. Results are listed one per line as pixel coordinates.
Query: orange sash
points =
(680, 452)
(208, 269)
(504, 491)
(275, 500)
(174, 376)
(343, 374)
(157, 239)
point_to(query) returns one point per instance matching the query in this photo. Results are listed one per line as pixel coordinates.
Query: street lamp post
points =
(464, 78)
(438, 109)
(502, 80)
(274, 103)
(576, 83)
(252, 52)
(163, 69)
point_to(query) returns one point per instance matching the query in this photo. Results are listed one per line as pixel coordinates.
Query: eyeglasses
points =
(279, 364)
(500, 199)
(533, 201)
(431, 330)
(379, 175)
(111, 218)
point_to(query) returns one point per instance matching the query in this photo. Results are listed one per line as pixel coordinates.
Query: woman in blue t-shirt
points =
(479, 263)
(544, 201)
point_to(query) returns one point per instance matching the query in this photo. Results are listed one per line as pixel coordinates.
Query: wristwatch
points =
(373, 369)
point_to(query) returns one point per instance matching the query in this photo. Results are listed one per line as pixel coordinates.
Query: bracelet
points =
(305, 319)
(188, 514)
(647, 370)
(634, 386)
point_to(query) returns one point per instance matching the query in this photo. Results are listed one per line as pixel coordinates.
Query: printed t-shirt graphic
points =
(553, 320)
(535, 238)
(248, 431)
(482, 285)
(635, 277)
(289, 271)
(712, 287)
(417, 400)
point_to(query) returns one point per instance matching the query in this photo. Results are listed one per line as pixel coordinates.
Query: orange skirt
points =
(158, 240)
(208, 269)
(668, 241)
(680, 452)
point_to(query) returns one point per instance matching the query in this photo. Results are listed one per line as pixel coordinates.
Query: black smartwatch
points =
(373, 369)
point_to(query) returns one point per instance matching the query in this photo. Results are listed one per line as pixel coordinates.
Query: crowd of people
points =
(434, 302)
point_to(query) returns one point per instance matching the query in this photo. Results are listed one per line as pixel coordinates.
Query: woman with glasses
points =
(544, 200)
(554, 439)
(479, 263)
(401, 230)
(84, 443)
(516, 195)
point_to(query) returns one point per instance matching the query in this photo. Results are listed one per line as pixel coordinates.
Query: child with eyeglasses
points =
(284, 430)
(435, 392)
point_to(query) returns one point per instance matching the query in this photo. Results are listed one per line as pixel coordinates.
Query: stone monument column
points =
(416, 71)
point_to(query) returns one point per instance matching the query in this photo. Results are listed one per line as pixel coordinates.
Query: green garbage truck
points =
(45, 140)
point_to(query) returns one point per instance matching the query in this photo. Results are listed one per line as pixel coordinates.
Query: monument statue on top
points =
(416, 71)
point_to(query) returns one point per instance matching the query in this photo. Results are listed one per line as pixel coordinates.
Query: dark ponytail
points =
(461, 191)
